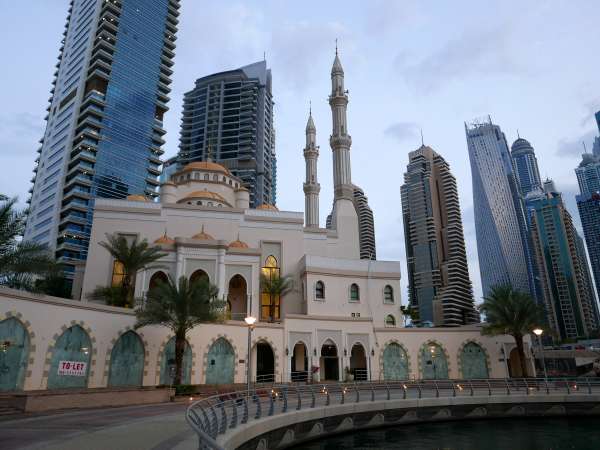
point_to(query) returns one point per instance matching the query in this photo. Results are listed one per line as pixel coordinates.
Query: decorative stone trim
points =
(161, 354)
(459, 359)
(207, 349)
(27, 325)
(110, 347)
(427, 344)
(273, 348)
(394, 341)
(52, 343)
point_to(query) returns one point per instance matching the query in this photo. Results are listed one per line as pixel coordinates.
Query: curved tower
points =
(311, 185)
(526, 166)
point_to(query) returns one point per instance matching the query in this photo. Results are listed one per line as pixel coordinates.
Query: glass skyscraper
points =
(230, 115)
(525, 166)
(104, 131)
(502, 242)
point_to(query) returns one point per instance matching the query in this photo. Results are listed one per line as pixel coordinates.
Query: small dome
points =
(205, 194)
(137, 198)
(238, 244)
(205, 165)
(164, 240)
(521, 145)
(268, 206)
(202, 236)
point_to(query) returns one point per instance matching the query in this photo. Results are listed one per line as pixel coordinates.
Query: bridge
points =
(282, 415)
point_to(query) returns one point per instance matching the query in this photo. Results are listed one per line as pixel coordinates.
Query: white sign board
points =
(72, 368)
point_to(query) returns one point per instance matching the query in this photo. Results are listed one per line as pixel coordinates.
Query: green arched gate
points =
(395, 362)
(473, 362)
(73, 346)
(127, 361)
(14, 353)
(167, 365)
(220, 363)
(433, 362)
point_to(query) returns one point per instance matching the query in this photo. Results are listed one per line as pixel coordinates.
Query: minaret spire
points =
(340, 141)
(311, 185)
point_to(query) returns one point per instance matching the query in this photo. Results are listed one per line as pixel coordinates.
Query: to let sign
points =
(72, 368)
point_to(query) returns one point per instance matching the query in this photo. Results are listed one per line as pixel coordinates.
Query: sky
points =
(409, 65)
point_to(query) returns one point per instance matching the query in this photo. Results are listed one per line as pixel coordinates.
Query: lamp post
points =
(250, 321)
(538, 332)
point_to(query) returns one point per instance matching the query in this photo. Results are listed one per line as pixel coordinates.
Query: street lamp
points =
(538, 332)
(250, 321)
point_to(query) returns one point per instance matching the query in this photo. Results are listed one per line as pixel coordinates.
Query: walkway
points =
(147, 427)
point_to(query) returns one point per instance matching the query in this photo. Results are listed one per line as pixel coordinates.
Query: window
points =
(270, 303)
(320, 290)
(390, 321)
(354, 293)
(118, 273)
(388, 294)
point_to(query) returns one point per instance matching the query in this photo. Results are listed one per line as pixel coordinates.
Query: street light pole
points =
(250, 321)
(538, 332)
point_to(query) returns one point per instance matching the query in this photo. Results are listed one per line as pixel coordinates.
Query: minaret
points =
(340, 140)
(311, 185)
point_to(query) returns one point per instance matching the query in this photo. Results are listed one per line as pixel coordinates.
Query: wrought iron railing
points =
(219, 414)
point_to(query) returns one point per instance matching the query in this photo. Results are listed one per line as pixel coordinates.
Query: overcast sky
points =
(532, 66)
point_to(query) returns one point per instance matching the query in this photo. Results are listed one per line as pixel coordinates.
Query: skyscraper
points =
(568, 296)
(231, 114)
(525, 166)
(588, 174)
(366, 224)
(104, 129)
(502, 244)
(438, 275)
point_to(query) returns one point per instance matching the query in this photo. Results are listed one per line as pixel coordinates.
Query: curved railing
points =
(217, 415)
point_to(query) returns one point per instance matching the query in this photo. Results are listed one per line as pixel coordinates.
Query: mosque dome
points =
(202, 236)
(137, 198)
(267, 206)
(205, 194)
(164, 240)
(238, 244)
(205, 165)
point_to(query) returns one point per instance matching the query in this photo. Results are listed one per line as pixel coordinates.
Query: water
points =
(581, 433)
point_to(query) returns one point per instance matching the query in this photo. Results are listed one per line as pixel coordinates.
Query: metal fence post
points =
(387, 388)
(472, 390)
(214, 426)
(258, 407)
(312, 393)
(284, 391)
(245, 416)
(357, 393)
(328, 398)
(404, 389)
(223, 424)
(437, 389)
(299, 405)
(272, 402)
(234, 413)
(343, 395)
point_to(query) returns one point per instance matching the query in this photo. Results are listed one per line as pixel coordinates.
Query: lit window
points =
(118, 273)
(270, 304)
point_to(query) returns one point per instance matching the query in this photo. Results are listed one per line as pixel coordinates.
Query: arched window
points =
(206, 176)
(196, 176)
(215, 177)
(270, 303)
(388, 294)
(199, 275)
(320, 290)
(156, 279)
(354, 293)
(271, 261)
(118, 273)
(390, 321)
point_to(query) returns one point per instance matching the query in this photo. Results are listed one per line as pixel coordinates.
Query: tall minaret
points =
(340, 141)
(311, 185)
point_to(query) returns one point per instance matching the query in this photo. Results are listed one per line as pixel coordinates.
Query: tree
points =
(54, 283)
(275, 287)
(180, 306)
(132, 257)
(511, 312)
(20, 261)
(409, 311)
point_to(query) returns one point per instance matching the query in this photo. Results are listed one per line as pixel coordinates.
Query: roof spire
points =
(336, 48)
(584, 147)
(422, 140)
(310, 107)
(518, 135)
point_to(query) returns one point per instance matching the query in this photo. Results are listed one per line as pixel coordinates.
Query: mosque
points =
(341, 320)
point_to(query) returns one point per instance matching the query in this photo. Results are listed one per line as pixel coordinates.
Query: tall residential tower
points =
(438, 275)
(230, 115)
(104, 131)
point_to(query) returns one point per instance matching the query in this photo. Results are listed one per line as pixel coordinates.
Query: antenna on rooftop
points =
(584, 147)
(422, 140)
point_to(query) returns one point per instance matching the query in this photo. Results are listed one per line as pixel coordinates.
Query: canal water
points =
(580, 433)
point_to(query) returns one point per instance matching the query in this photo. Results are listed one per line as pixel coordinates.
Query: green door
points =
(433, 363)
(473, 362)
(221, 363)
(395, 363)
(127, 361)
(73, 345)
(167, 365)
(14, 352)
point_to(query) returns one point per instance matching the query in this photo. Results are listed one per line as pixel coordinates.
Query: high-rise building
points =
(230, 115)
(502, 241)
(588, 174)
(366, 224)
(438, 275)
(568, 296)
(104, 131)
(525, 166)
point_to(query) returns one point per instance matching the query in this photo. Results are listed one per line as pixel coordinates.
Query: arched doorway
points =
(265, 363)
(395, 362)
(198, 275)
(514, 365)
(127, 361)
(330, 368)
(220, 363)
(167, 364)
(473, 362)
(14, 354)
(358, 363)
(157, 278)
(300, 362)
(433, 362)
(72, 347)
(237, 298)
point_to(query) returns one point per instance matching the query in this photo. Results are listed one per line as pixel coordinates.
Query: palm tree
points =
(409, 312)
(180, 307)
(275, 287)
(20, 261)
(511, 312)
(133, 257)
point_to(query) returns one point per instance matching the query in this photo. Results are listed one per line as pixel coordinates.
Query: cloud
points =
(475, 52)
(591, 108)
(402, 131)
(573, 148)
(383, 16)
